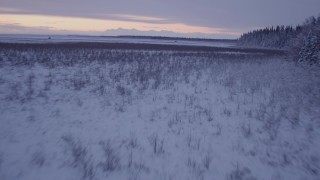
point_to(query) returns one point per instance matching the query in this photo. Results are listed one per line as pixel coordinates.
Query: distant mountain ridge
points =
(166, 34)
(179, 38)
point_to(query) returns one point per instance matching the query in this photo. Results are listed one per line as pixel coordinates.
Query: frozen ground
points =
(142, 40)
(78, 113)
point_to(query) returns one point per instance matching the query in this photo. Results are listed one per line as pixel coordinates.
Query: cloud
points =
(137, 18)
(16, 28)
(132, 18)
(89, 25)
(9, 10)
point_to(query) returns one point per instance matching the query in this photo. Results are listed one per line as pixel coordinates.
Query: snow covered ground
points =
(73, 114)
(142, 40)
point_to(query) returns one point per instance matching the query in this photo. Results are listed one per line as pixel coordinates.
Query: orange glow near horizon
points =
(90, 24)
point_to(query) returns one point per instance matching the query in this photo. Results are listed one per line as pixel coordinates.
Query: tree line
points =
(301, 41)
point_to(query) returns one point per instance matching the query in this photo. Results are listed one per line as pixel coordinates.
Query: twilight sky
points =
(190, 18)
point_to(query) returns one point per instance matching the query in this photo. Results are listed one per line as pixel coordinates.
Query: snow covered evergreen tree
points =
(302, 41)
(278, 37)
(309, 52)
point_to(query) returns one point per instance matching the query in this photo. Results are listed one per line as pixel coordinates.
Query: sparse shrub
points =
(208, 113)
(120, 106)
(122, 91)
(133, 141)
(206, 161)
(272, 125)
(239, 173)
(193, 142)
(229, 82)
(79, 81)
(156, 143)
(1, 161)
(218, 129)
(136, 169)
(270, 118)
(196, 169)
(249, 113)
(130, 159)
(174, 120)
(14, 91)
(227, 112)
(246, 129)
(31, 118)
(38, 158)
(312, 164)
(81, 159)
(30, 89)
(292, 114)
(100, 90)
(111, 160)
(153, 116)
(48, 83)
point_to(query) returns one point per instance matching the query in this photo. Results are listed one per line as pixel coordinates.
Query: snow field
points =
(95, 114)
